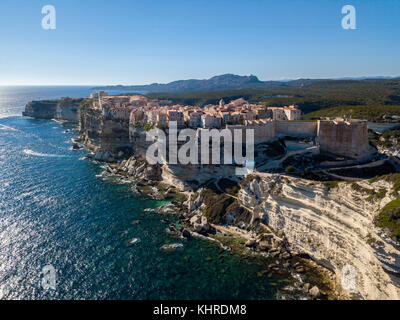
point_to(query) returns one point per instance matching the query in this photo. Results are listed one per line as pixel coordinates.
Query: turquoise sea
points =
(56, 209)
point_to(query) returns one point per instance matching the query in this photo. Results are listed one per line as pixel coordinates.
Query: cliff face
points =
(334, 227)
(106, 137)
(41, 109)
(90, 126)
(67, 109)
(64, 109)
(183, 177)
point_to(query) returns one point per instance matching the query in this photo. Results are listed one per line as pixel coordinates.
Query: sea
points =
(68, 231)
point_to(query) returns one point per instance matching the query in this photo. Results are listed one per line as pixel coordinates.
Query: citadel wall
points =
(345, 138)
(300, 129)
(342, 138)
(264, 130)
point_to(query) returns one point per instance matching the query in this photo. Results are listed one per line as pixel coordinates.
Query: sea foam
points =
(38, 154)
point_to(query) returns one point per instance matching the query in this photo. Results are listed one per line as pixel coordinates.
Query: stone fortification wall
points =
(263, 130)
(300, 129)
(345, 138)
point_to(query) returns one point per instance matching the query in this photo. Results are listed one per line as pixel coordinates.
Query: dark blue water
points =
(14, 98)
(56, 209)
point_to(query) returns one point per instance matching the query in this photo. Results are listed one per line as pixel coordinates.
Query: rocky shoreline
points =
(310, 281)
(275, 244)
(310, 229)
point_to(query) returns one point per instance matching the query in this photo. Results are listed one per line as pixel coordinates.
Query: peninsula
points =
(319, 189)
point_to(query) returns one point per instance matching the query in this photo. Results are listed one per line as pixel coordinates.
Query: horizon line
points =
(147, 84)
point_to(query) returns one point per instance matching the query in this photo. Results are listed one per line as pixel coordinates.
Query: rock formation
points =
(334, 226)
(108, 138)
(65, 109)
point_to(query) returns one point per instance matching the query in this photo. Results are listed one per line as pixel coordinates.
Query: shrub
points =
(290, 169)
(389, 218)
(332, 184)
(147, 127)
(216, 205)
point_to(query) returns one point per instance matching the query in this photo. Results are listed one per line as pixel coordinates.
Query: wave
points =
(3, 127)
(38, 154)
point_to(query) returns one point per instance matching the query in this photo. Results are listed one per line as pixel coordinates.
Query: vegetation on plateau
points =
(367, 112)
(367, 99)
(389, 218)
(219, 207)
(387, 139)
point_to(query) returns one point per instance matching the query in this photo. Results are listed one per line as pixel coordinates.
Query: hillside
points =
(348, 96)
(369, 99)
(367, 112)
(222, 82)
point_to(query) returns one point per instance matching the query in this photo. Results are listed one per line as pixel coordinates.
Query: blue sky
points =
(140, 42)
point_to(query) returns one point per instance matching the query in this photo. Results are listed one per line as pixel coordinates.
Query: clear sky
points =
(139, 42)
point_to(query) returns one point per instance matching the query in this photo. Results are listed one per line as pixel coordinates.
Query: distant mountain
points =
(367, 78)
(222, 82)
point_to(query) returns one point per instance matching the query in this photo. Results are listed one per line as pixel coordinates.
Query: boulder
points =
(263, 245)
(76, 146)
(167, 209)
(172, 247)
(251, 243)
(190, 205)
(274, 254)
(286, 255)
(300, 269)
(186, 233)
(314, 292)
(195, 219)
(200, 224)
(104, 156)
(133, 241)
(99, 156)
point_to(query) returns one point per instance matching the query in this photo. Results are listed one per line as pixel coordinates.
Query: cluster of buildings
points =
(348, 138)
(140, 111)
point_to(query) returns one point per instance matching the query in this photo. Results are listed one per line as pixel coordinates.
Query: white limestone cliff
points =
(334, 226)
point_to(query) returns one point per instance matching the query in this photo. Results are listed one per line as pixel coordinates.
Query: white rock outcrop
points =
(334, 226)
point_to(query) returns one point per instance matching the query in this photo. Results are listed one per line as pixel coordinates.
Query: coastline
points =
(313, 226)
(236, 241)
(303, 272)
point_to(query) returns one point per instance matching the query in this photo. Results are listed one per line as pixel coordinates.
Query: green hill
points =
(366, 112)
(380, 96)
